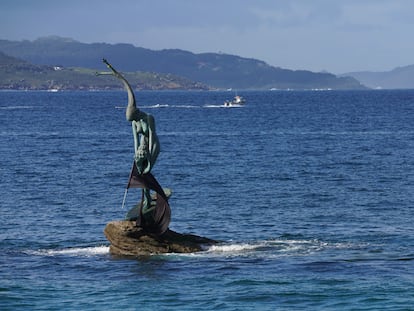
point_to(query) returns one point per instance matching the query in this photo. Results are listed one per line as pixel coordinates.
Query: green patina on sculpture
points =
(146, 150)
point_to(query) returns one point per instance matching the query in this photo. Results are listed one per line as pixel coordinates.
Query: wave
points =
(276, 247)
(268, 248)
(29, 134)
(15, 107)
(74, 251)
(260, 249)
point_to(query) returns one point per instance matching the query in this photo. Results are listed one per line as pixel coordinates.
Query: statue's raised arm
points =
(132, 110)
(146, 143)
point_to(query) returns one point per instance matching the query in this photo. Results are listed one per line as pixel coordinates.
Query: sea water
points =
(311, 194)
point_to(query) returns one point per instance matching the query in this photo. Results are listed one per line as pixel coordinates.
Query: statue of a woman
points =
(156, 216)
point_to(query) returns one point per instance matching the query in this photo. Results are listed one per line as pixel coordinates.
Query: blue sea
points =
(311, 194)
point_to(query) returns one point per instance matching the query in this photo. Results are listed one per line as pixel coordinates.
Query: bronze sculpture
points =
(154, 212)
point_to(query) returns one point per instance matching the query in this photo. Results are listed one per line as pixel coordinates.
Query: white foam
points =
(233, 248)
(223, 106)
(266, 248)
(76, 251)
(160, 106)
(270, 248)
(213, 106)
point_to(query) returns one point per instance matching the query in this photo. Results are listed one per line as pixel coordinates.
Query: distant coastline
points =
(61, 63)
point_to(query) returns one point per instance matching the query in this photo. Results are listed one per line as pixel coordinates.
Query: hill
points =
(214, 69)
(398, 78)
(18, 74)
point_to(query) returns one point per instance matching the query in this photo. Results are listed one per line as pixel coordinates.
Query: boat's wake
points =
(223, 106)
(160, 106)
(184, 106)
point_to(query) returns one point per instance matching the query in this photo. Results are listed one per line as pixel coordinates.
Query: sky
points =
(337, 36)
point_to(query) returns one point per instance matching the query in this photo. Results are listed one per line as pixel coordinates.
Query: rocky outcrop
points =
(129, 240)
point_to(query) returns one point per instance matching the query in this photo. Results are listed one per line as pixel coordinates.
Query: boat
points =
(237, 101)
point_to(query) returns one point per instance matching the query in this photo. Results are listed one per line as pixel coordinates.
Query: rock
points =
(129, 240)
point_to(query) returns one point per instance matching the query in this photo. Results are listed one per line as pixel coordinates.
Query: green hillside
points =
(21, 75)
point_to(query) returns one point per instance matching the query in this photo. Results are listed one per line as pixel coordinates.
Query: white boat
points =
(236, 102)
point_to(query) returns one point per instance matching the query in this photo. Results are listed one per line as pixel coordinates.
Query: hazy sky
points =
(333, 35)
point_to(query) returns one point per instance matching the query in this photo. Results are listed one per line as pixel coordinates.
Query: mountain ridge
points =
(397, 78)
(217, 70)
